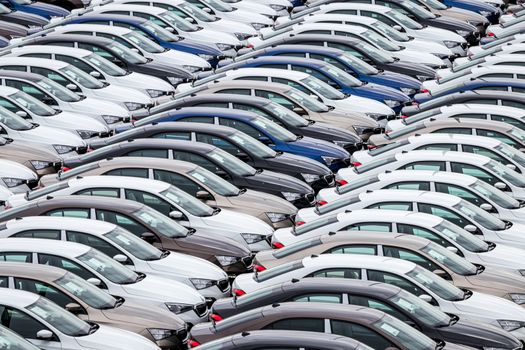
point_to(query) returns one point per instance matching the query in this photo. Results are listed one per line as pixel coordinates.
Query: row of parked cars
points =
(262, 174)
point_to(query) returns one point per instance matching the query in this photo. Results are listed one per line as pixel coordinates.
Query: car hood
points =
(218, 37)
(401, 79)
(184, 58)
(114, 339)
(386, 93)
(503, 255)
(162, 65)
(75, 121)
(263, 202)
(209, 49)
(279, 182)
(424, 45)
(146, 81)
(418, 69)
(164, 290)
(229, 26)
(52, 10)
(360, 104)
(323, 147)
(237, 222)
(192, 266)
(335, 132)
(141, 315)
(28, 151)
(209, 244)
(96, 107)
(29, 18)
(452, 23)
(300, 164)
(432, 33)
(44, 134)
(120, 93)
(243, 16)
(459, 13)
(17, 170)
(480, 304)
(498, 280)
(417, 57)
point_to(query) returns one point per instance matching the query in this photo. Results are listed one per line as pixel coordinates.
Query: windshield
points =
(12, 341)
(32, 104)
(511, 153)
(196, 12)
(380, 41)
(341, 75)
(319, 87)
(461, 237)
(105, 65)
(418, 10)
(143, 42)
(404, 333)
(178, 22)
(506, 173)
(404, 20)
(160, 32)
(378, 55)
(389, 32)
(254, 146)
(13, 121)
(133, 244)
(85, 291)
(160, 223)
(216, 183)
(492, 193)
(436, 284)
(219, 5)
(306, 101)
(58, 90)
(420, 310)
(275, 130)
(232, 163)
(286, 115)
(480, 216)
(191, 204)
(518, 134)
(358, 64)
(435, 4)
(64, 321)
(107, 267)
(451, 260)
(81, 77)
(127, 54)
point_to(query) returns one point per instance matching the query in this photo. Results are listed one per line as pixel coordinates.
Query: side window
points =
(64, 44)
(16, 257)
(421, 232)
(337, 273)
(44, 290)
(27, 88)
(255, 78)
(499, 136)
(512, 121)
(292, 84)
(75, 62)
(354, 249)
(176, 135)
(485, 152)
(460, 192)
(473, 171)
(277, 98)
(319, 298)
(253, 109)
(66, 264)
(178, 180)
(376, 304)
(21, 323)
(155, 153)
(444, 213)
(219, 142)
(212, 104)
(246, 92)
(196, 159)
(37, 55)
(435, 166)
(462, 131)
(439, 147)
(350, 12)
(150, 200)
(401, 282)
(51, 75)
(513, 104)
(360, 333)
(410, 185)
(100, 192)
(399, 253)
(207, 120)
(121, 220)
(370, 226)
(45, 234)
(17, 68)
(379, 17)
(241, 126)
(70, 213)
(299, 324)
(93, 242)
(406, 206)
(132, 172)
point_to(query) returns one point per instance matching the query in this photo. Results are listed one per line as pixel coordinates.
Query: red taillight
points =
(490, 34)
(249, 46)
(424, 91)
(193, 343)
(216, 317)
(238, 292)
(7, 206)
(356, 163)
(65, 168)
(277, 245)
(321, 203)
(344, 182)
(90, 150)
(414, 103)
(299, 223)
(259, 268)
(403, 116)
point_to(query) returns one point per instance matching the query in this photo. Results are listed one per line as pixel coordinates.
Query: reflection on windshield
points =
(133, 245)
(380, 41)
(479, 216)
(160, 32)
(107, 267)
(59, 318)
(81, 77)
(378, 55)
(274, 130)
(404, 20)
(404, 333)
(254, 146)
(143, 42)
(461, 237)
(127, 54)
(436, 284)
(191, 204)
(178, 22)
(451, 260)
(14, 121)
(58, 90)
(505, 172)
(32, 104)
(420, 310)
(216, 183)
(306, 101)
(85, 291)
(105, 65)
(322, 88)
(492, 193)
(286, 115)
(160, 223)
(232, 163)
(358, 64)
(12, 341)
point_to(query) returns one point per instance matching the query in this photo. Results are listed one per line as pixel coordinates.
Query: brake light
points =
(216, 317)
(90, 149)
(403, 116)
(344, 182)
(299, 223)
(278, 245)
(193, 343)
(259, 268)
(249, 46)
(414, 103)
(321, 203)
(424, 91)
(65, 168)
(490, 34)
(238, 292)
(356, 163)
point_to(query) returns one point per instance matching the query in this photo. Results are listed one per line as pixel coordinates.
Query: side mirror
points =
(148, 237)
(121, 258)
(486, 207)
(243, 156)
(203, 195)
(44, 334)
(134, 49)
(22, 114)
(470, 228)
(72, 87)
(398, 27)
(170, 29)
(265, 140)
(222, 174)
(207, 9)
(500, 185)
(175, 215)
(511, 166)
(49, 100)
(452, 249)
(189, 19)
(95, 74)
(299, 110)
(441, 273)
(94, 281)
(426, 297)
(315, 97)
(74, 308)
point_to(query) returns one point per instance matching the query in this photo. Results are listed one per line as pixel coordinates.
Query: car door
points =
(409, 185)
(461, 192)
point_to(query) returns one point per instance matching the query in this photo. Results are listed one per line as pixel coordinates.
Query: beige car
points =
(193, 179)
(308, 107)
(92, 304)
(42, 161)
(504, 132)
(418, 250)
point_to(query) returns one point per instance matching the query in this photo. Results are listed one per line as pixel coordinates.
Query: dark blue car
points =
(154, 32)
(36, 8)
(331, 75)
(489, 11)
(260, 128)
(511, 85)
(349, 63)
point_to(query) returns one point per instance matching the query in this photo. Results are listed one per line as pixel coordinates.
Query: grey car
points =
(371, 327)
(144, 222)
(381, 296)
(35, 157)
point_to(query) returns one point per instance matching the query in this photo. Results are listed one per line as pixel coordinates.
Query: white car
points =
(465, 303)
(126, 248)
(511, 115)
(12, 340)
(354, 31)
(507, 48)
(257, 7)
(478, 49)
(173, 23)
(431, 227)
(501, 59)
(486, 146)
(104, 272)
(63, 142)
(49, 327)
(78, 81)
(170, 201)
(476, 165)
(464, 186)
(16, 177)
(34, 111)
(496, 30)
(99, 68)
(280, 6)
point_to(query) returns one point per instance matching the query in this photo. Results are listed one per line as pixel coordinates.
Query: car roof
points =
(112, 17)
(443, 155)
(358, 261)
(32, 271)
(280, 59)
(58, 223)
(76, 52)
(92, 27)
(211, 111)
(128, 182)
(21, 75)
(344, 17)
(427, 175)
(304, 48)
(331, 26)
(375, 237)
(31, 61)
(6, 90)
(17, 298)
(351, 5)
(454, 138)
(481, 108)
(385, 215)
(171, 126)
(272, 72)
(252, 100)
(468, 122)
(128, 7)
(47, 246)
(248, 84)
(394, 195)
(58, 37)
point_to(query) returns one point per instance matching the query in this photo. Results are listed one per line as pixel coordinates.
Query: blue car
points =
(36, 8)
(331, 75)
(260, 128)
(489, 11)
(349, 63)
(511, 85)
(154, 32)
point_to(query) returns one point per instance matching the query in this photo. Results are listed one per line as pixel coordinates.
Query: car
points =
(487, 10)
(34, 157)
(490, 147)
(464, 186)
(381, 296)
(15, 341)
(282, 7)
(74, 79)
(503, 33)
(104, 272)
(330, 74)
(38, 113)
(17, 128)
(282, 116)
(500, 58)
(48, 326)
(292, 339)
(38, 8)
(260, 7)
(101, 69)
(62, 99)
(32, 21)
(313, 317)
(92, 304)
(418, 250)
(404, 274)
(167, 200)
(238, 144)
(195, 180)
(16, 177)
(143, 222)
(506, 48)
(68, 4)
(480, 49)
(496, 29)
(295, 100)
(125, 248)
(10, 31)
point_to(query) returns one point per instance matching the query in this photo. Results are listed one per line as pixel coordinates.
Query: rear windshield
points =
(374, 164)
(354, 185)
(278, 270)
(388, 147)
